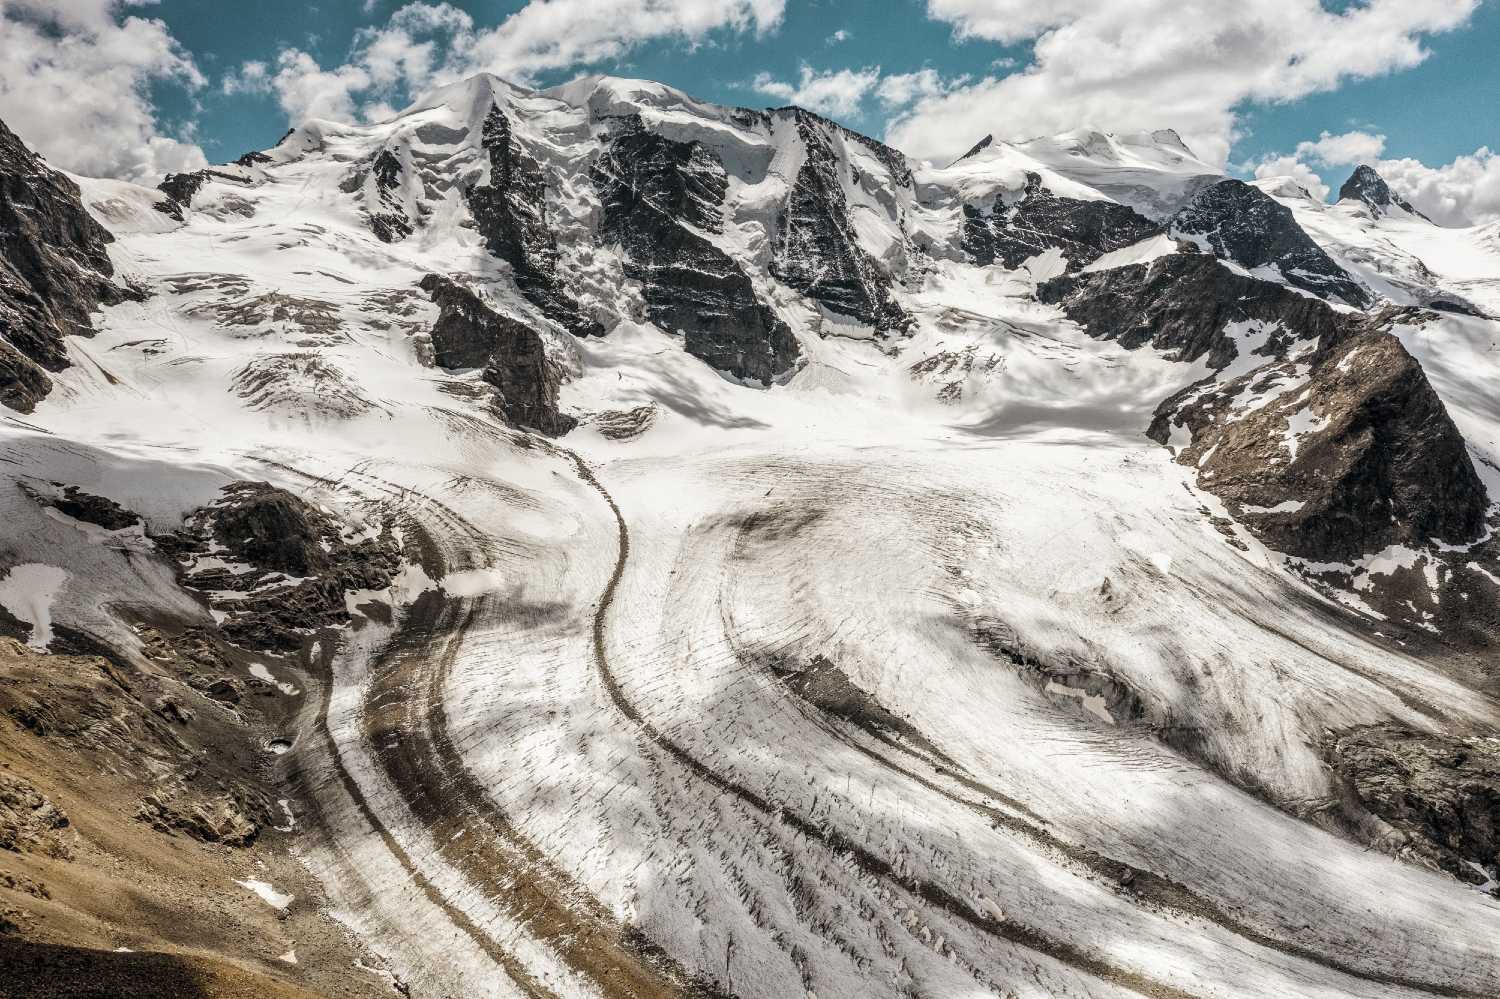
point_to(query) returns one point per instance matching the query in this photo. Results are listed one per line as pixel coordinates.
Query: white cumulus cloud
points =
(424, 44)
(831, 92)
(75, 79)
(1463, 192)
(1187, 64)
(900, 89)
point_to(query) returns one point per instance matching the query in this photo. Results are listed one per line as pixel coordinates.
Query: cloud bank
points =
(1140, 64)
(75, 78)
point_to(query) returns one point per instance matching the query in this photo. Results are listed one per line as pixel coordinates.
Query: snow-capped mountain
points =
(591, 542)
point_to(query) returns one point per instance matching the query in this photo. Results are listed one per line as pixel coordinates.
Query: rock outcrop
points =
(1326, 438)
(1366, 185)
(659, 197)
(816, 249)
(279, 567)
(97, 510)
(54, 272)
(511, 213)
(1437, 795)
(470, 334)
(390, 223)
(1337, 451)
(1243, 224)
(1040, 221)
(1182, 304)
(181, 188)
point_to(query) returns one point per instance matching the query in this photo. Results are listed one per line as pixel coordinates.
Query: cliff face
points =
(817, 251)
(469, 334)
(1243, 224)
(54, 272)
(658, 195)
(1083, 230)
(511, 213)
(1366, 185)
(1317, 426)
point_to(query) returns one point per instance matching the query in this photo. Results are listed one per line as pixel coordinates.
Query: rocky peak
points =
(977, 148)
(1316, 426)
(1366, 185)
(1353, 452)
(659, 196)
(1040, 220)
(54, 272)
(1241, 223)
(469, 333)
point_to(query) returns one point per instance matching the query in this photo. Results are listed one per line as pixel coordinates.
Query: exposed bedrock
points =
(389, 221)
(54, 272)
(1238, 222)
(511, 213)
(1356, 455)
(1040, 221)
(1181, 305)
(659, 197)
(816, 248)
(182, 188)
(1328, 439)
(275, 566)
(470, 334)
(1438, 796)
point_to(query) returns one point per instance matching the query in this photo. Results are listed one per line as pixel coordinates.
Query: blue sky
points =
(1410, 84)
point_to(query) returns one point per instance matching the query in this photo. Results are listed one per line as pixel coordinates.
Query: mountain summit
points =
(1366, 185)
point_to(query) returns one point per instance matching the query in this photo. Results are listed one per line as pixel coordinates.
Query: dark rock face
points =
(179, 189)
(269, 528)
(1381, 462)
(816, 249)
(98, 510)
(1374, 458)
(1244, 224)
(653, 189)
(469, 334)
(1368, 186)
(300, 566)
(1040, 221)
(391, 224)
(977, 148)
(54, 272)
(511, 213)
(1180, 304)
(1440, 794)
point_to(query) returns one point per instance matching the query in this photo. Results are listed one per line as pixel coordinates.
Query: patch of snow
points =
(1286, 506)
(27, 592)
(1143, 252)
(267, 894)
(261, 673)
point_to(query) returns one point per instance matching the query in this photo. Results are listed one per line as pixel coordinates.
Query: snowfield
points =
(920, 672)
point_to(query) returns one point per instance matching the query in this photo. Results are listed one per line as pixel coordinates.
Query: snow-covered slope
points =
(856, 640)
